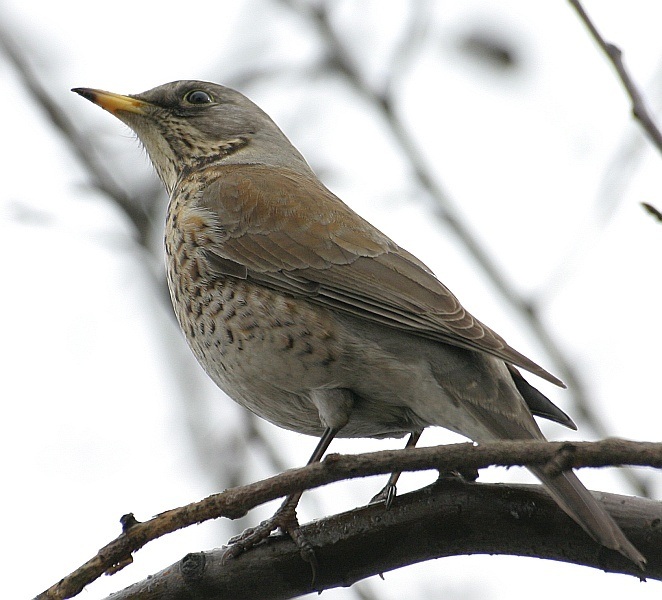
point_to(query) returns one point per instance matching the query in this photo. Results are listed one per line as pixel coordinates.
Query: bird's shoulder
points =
(295, 207)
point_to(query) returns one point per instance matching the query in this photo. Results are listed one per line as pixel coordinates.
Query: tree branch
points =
(639, 109)
(234, 503)
(450, 518)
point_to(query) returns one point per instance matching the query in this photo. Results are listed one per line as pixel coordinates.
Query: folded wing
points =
(288, 232)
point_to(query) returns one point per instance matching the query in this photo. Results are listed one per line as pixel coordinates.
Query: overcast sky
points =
(539, 155)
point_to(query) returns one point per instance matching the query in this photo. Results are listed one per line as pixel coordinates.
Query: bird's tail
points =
(577, 502)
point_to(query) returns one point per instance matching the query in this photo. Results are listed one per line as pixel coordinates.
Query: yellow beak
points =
(113, 103)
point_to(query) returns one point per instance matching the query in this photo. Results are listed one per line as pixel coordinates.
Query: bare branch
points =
(449, 518)
(236, 502)
(639, 109)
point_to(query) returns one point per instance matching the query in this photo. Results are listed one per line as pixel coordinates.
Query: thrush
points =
(312, 318)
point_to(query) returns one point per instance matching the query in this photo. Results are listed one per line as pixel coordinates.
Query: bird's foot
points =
(386, 495)
(284, 519)
(467, 474)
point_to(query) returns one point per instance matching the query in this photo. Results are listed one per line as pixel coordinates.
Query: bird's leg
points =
(285, 517)
(389, 491)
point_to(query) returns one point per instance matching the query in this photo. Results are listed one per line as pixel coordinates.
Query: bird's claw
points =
(249, 538)
(306, 551)
(386, 495)
(463, 474)
(284, 519)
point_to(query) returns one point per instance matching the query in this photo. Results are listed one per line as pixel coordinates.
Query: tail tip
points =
(632, 554)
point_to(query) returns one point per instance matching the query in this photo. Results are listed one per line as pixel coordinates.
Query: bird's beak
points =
(113, 103)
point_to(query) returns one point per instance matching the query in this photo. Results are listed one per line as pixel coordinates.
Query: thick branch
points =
(457, 457)
(450, 518)
(614, 54)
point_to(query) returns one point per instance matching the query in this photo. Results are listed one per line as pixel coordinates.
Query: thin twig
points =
(639, 109)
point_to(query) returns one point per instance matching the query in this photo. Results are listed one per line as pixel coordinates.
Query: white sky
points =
(93, 426)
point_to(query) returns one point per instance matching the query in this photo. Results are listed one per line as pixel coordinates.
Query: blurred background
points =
(491, 139)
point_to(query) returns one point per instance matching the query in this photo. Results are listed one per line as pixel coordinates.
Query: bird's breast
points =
(263, 348)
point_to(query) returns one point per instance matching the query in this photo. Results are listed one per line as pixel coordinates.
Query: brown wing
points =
(287, 231)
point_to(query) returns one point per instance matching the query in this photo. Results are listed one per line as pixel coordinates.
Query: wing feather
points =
(292, 234)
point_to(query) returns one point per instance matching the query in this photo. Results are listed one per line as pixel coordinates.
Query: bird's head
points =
(188, 125)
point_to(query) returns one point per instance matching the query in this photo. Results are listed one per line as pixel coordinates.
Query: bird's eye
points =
(197, 97)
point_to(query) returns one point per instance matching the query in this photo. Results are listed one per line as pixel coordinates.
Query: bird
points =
(309, 316)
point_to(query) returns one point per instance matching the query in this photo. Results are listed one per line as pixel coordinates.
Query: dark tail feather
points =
(577, 501)
(539, 404)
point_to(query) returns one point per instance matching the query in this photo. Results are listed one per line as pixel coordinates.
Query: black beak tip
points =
(85, 93)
